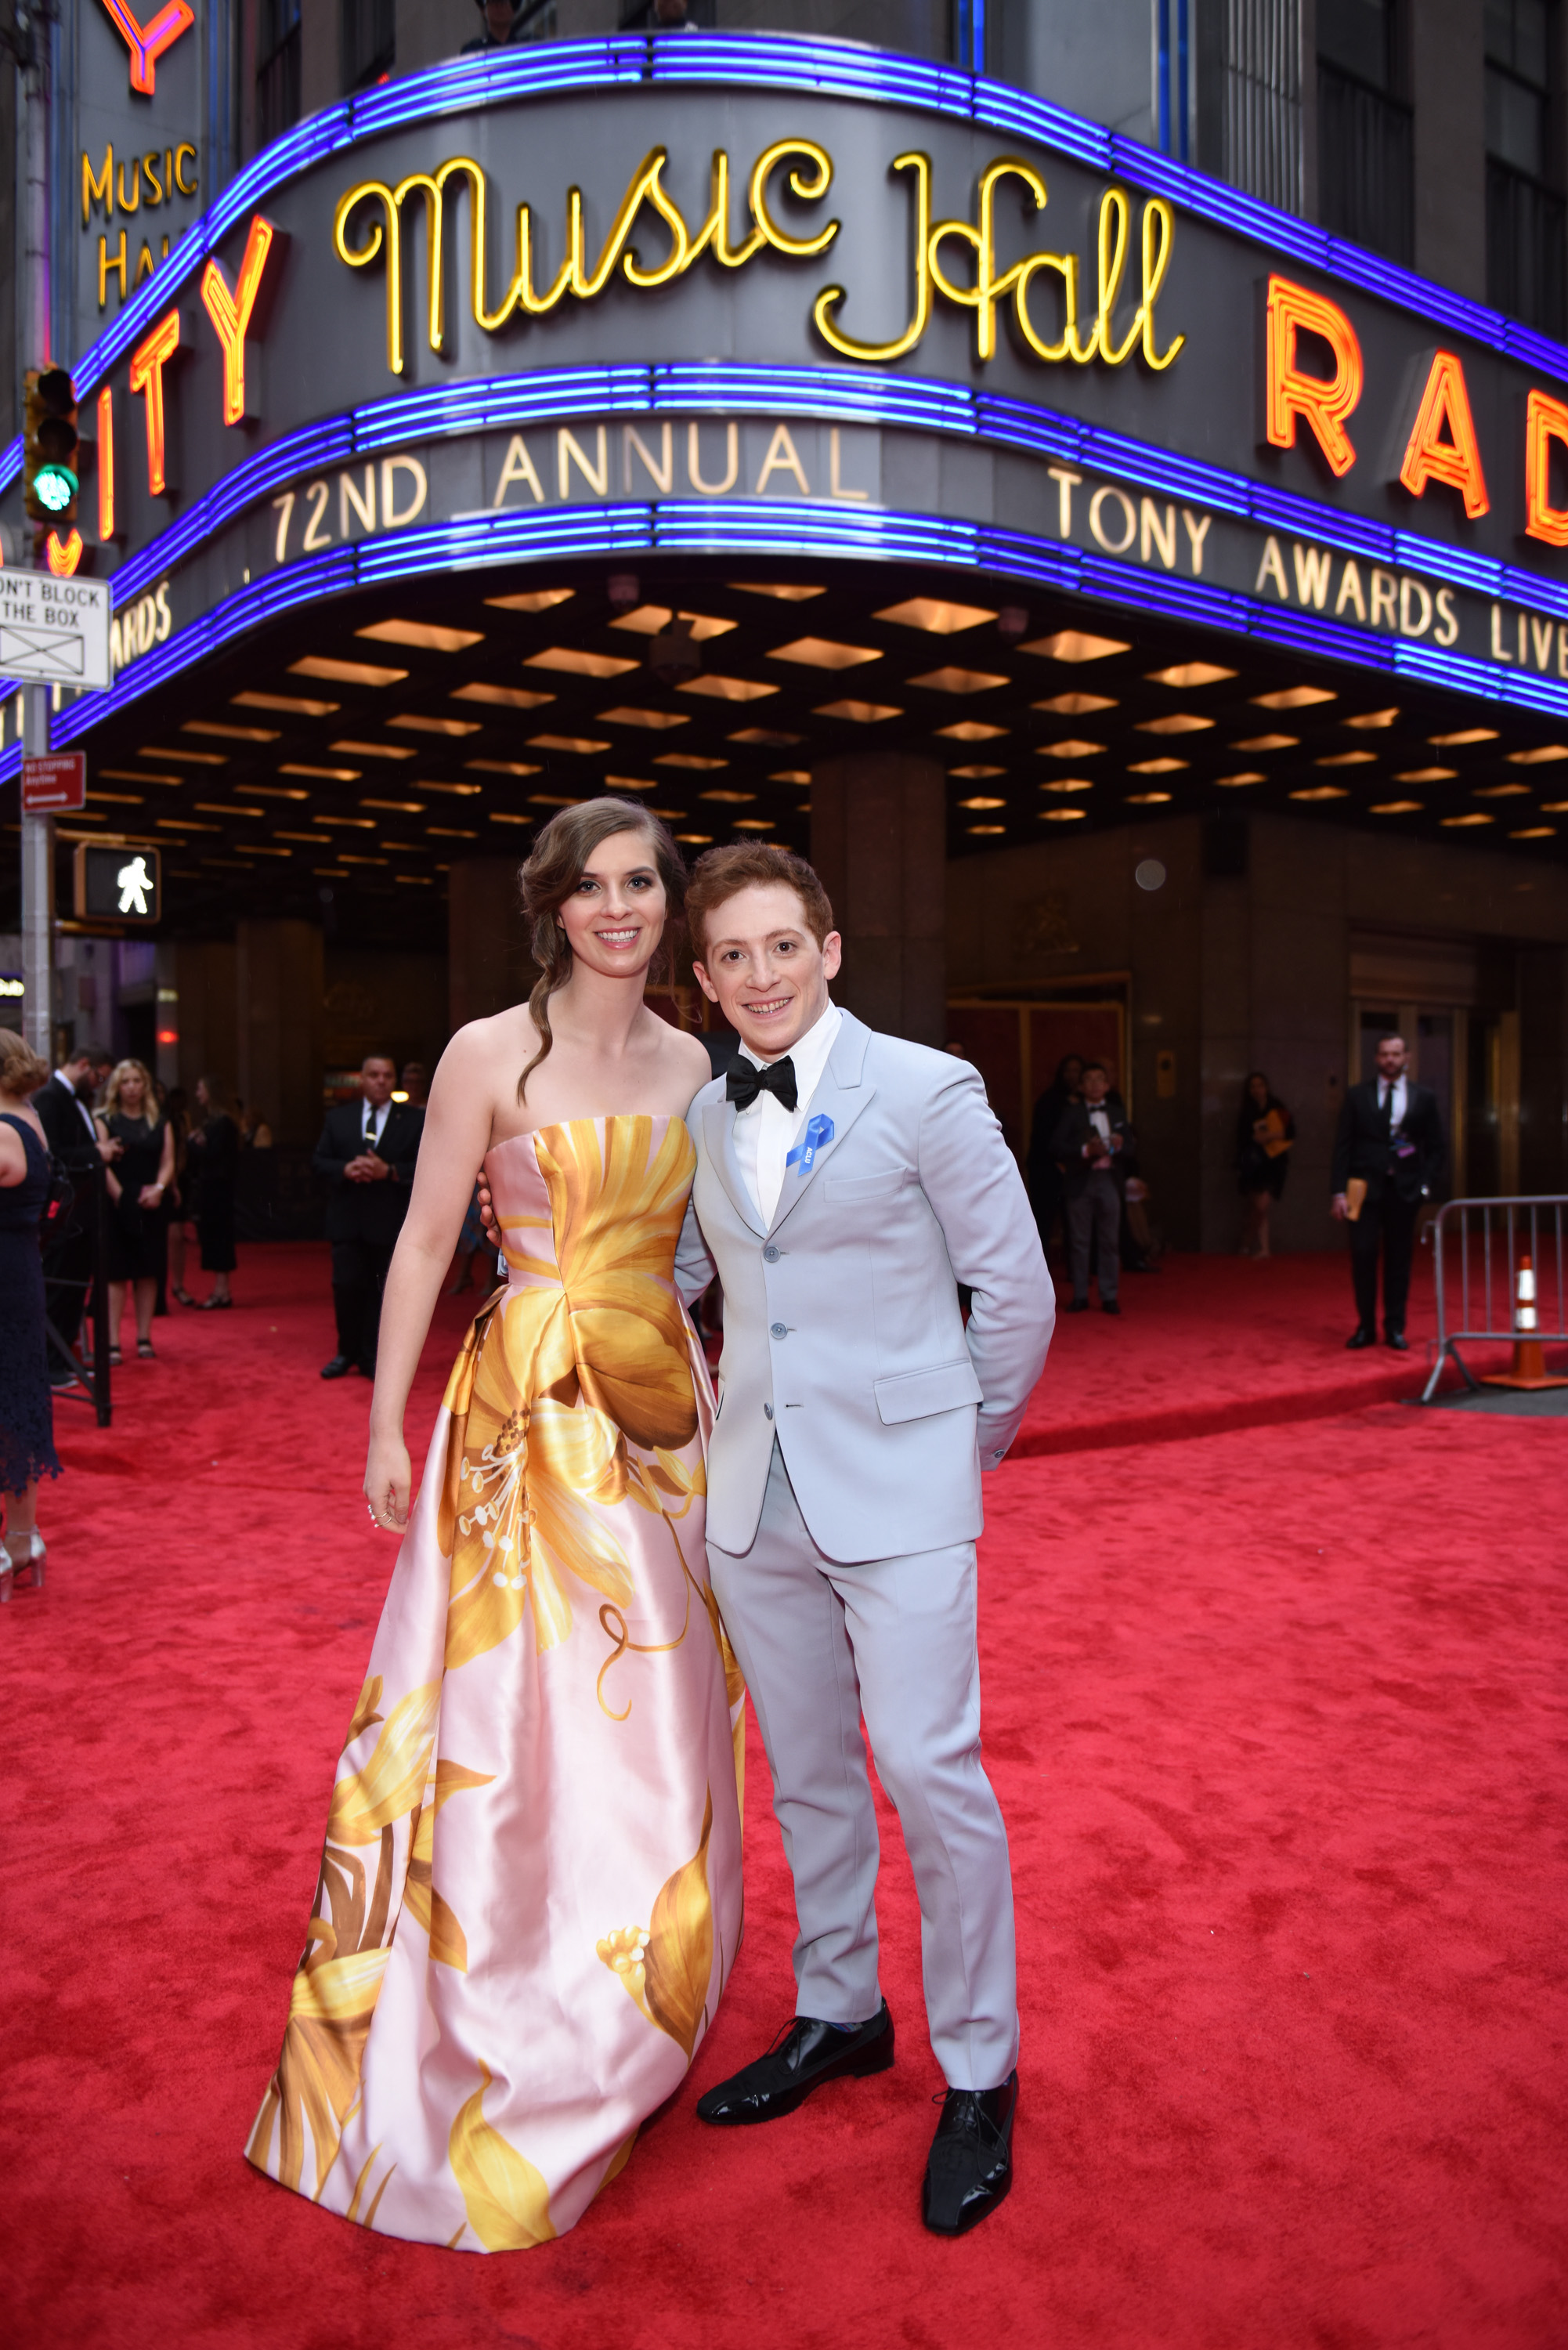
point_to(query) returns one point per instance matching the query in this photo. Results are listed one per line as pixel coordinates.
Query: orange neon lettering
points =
(1457, 459)
(147, 365)
(1324, 402)
(1546, 420)
(147, 43)
(106, 464)
(63, 556)
(231, 313)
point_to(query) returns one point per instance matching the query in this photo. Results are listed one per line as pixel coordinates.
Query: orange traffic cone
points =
(1528, 1368)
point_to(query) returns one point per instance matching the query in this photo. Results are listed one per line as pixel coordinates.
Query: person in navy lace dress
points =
(26, 1408)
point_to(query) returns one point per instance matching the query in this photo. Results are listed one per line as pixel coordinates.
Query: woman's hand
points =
(151, 1195)
(388, 1477)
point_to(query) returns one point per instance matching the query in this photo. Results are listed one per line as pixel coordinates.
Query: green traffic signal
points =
(52, 480)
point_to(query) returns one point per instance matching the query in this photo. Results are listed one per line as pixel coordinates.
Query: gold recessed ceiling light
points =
(781, 591)
(727, 689)
(1189, 673)
(1179, 721)
(1076, 645)
(1062, 816)
(275, 791)
(1071, 748)
(552, 799)
(939, 619)
(311, 840)
(1322, 791)
(1156, 766)
(1397, 807)
(119, 799)
(731, 799)
(766, 739)
(791, 776)
(537, 600)
(1475, 817)
(508, 815)
(1234, 783)
(225, 807)
(396, 807)
(1294, 697)
(860, 713)
(229, 734)
(186, 758)
(1076, 705)
(1502, 791)
(960, 681)
(1268, 742)
(687, 759)
(1355, 759)
(444, 832)
(754, 824)
(582, 745)
(1535, 832)
(1147, 799)
(987, 827)
(1427, 775)
(631, 784)
(980, 802)
(577, 664)
(354, 823)
(501, 697)
(696, 839)
(976, 775)
(416, 725)
(499, 767)
(1465, 734)
(1371, 718)
(624, 715)
(344, 672)
(651, 619)
(136, 775)
(1541, 756)
(374, 750)
(289, 702)
(824, 652)
(1067, 784)
(424, 634)
(969, 730)
(322, 775)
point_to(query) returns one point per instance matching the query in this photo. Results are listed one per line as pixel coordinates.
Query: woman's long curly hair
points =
(563, 847)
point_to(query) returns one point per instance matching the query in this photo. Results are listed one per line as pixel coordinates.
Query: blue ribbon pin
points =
(818, 1130)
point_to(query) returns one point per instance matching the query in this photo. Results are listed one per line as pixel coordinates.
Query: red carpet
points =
(1276, 1719)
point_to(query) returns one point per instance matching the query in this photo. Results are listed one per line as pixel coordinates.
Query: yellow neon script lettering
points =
(827, 301)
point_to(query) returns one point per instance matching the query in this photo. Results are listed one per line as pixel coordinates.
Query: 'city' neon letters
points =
(1322, 401)
(1457, 459)
(147, 365)
(231, 313)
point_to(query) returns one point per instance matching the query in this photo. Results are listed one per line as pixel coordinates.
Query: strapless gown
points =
(529, 1894)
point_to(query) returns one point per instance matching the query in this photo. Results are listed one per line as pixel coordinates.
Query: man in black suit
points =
(1092, 1134)
(1390, 1138)
(75, 1141)
(367, 1151)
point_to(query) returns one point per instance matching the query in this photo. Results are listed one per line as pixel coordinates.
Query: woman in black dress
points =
(26, 1408)
(1265, 1133)
(214, 1151)
(138, 1184)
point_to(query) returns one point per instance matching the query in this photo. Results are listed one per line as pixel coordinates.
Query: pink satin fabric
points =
(530, 1896)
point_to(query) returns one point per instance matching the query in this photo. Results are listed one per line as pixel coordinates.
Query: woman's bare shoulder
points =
(485, 1044)
(689, 1054)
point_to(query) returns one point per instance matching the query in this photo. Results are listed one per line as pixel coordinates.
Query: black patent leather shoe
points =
(1399, 1341)
(807, 2053)
(337, 1369)
(970, 2167)
(1362, 1338)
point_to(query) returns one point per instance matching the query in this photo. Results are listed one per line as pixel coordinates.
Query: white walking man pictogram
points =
(134, 881)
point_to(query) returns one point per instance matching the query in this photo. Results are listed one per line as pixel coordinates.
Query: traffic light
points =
(52, 454)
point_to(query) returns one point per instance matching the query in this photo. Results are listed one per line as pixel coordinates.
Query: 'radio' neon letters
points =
(147, 364)
(231, 313)
(1457, 459)
(1546, 420)
(1323, 403)
(105, 465)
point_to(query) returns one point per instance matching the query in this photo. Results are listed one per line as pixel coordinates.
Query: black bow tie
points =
(746, 1081)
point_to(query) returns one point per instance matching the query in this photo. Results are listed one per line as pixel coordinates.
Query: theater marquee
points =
(766, 294)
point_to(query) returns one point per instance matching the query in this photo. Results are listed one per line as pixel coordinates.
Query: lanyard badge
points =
(818, 1130)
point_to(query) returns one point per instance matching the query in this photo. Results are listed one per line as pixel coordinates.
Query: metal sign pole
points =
(37, 831)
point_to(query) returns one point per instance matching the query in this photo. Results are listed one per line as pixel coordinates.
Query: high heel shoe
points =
(215, 1304)
(21, 1564)
(184, 1296)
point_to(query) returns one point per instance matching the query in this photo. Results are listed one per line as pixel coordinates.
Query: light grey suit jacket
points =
(843, 1334)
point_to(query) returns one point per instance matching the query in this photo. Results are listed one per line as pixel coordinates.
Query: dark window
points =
(1366, 151)
(368, 41)
(277, 68)
(1525, 228)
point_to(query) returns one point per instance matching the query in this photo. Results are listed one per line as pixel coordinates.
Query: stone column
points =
(878, 840)
(488, 963)
(280, 986)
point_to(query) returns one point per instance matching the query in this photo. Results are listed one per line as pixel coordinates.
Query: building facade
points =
(1098, 483)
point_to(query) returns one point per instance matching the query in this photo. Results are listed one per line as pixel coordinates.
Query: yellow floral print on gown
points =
(529, 1897)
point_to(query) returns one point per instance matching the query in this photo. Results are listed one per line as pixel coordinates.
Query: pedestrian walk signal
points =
(52, 452)
(119, 884)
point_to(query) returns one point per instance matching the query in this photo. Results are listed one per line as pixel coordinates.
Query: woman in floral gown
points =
(530, 1895)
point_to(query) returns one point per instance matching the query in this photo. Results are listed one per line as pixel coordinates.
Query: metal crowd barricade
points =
(1477, 1246)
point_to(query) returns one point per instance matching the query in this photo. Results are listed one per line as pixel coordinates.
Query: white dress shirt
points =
(766, 1132)
(1399, 1098)
(85, 1114)
(373, 1125)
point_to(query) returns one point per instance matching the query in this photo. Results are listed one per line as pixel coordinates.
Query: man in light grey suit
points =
(846, 1183)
